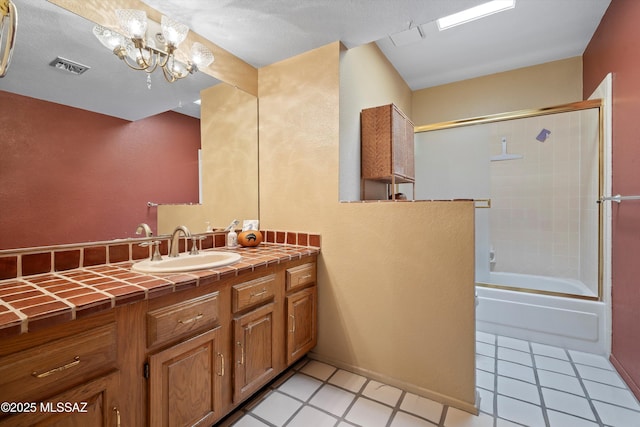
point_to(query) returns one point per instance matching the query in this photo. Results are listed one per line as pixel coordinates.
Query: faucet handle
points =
(194, 244)
(156, 250)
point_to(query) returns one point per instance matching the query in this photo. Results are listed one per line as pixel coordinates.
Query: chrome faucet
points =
(144, 227)
(175, 243)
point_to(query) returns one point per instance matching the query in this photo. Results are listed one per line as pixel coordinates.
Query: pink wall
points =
(70, 175)
(615, 48)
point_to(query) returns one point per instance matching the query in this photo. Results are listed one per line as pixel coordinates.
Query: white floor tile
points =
(590, 359)
(458, 418)
(515, 356)
(485, 363)
(610, 394)
(486, 401)
(485, 380)
(555, 365)
(547, 350)
(519, 390)
(558, 419)
(249, 421)
(562, 382)
(382, 393)
(345, 424)
(402, 419)
(504, 423)
(309, 416)
(567, 402)
(366, 412)
(600, 375)
(616, 416)
(485, 337)
(422, 407)
(517, 371)
(277, 408)
(300, 386)
(319, 370)
(513, 343)
(332, 399)
(520, 412)
(348, 380)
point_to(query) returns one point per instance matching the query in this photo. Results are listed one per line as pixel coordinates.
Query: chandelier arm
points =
(136, 67)
(168, 75)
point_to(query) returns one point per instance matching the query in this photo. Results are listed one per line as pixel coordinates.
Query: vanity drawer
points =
(176, 320)
(301, 275)
(50, 368)
(252, 293)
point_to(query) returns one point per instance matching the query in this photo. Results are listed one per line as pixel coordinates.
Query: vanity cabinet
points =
(387, 146)
(301, 310)
(185, 358)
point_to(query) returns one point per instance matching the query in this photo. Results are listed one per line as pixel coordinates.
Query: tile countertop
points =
(34, 302)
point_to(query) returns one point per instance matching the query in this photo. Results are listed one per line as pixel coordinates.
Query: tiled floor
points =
(520, 384)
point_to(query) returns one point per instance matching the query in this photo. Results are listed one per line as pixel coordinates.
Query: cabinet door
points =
(302, 330)
(403, 149)
(91, 404)
(253, 339)
(185, 382)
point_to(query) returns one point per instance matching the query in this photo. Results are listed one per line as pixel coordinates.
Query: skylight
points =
(474, 13)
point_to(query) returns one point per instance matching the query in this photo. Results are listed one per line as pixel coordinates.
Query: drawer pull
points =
(193, 319)
(264, 291)
(305, 277)
(117, 411)
(221, 356)
(76, 361)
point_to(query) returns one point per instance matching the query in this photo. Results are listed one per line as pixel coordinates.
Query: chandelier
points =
(141, 53)
(8, 26)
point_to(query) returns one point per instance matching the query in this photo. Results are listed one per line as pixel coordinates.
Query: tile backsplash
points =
(38, 260)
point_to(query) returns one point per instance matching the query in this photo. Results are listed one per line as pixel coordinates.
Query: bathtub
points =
(573, 323)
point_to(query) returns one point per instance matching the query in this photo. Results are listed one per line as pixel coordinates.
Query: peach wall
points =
(544, 85)
(396, 279)
(613, 49)
(69, 175)
(229, 163)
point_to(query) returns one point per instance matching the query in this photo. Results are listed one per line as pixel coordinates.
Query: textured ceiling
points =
(266, 31)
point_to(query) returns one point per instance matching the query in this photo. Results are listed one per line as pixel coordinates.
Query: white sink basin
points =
(186, 262)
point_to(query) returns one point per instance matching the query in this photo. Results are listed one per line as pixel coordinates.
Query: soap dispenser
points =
(232, 237)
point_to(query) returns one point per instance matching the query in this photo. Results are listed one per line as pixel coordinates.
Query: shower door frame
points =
(522, 114)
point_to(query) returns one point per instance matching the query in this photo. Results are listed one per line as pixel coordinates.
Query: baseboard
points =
(412, 388)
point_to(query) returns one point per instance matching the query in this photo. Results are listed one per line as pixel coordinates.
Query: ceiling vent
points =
(69, 66)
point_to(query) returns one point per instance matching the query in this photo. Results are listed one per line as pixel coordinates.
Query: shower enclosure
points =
(536, 177)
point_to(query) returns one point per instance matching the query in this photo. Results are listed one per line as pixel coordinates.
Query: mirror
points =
(97, 147)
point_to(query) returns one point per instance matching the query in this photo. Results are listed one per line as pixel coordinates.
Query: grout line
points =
(584, 389)
(543, 407)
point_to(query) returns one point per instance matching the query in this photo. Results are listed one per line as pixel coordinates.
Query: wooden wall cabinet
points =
(387, 147)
